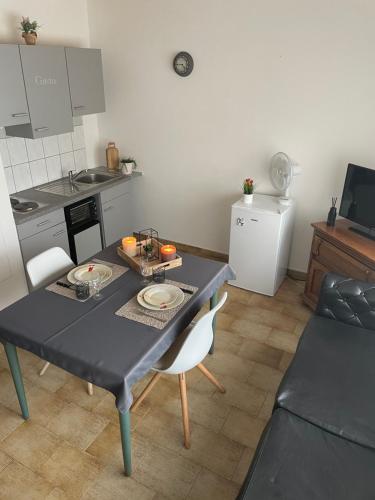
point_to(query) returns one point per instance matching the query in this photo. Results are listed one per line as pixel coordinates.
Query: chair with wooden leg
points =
(187, 352)
(42, 270)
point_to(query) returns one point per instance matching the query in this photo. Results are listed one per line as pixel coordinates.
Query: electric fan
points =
(282, 171)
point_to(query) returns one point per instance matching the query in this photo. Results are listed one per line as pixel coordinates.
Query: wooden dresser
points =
(339, 250)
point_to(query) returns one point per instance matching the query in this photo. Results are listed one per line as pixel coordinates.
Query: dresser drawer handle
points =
(43, 223)
(59, 233)
(316, 251)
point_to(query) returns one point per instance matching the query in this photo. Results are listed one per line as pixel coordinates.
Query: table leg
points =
(213, 302)
(15, 369)
(126, 441)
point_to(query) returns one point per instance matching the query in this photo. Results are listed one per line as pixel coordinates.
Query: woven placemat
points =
(158, 319)
(117, 271)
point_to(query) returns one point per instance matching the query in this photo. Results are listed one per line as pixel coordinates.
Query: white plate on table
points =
(160, 297)
(82, 273)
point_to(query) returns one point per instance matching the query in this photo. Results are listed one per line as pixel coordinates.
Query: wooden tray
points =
(134, 262)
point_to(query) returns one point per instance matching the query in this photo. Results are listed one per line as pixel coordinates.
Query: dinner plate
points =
(82, 273)
(160, 297)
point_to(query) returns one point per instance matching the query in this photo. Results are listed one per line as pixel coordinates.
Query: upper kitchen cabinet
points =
(47, 90)
(13, 103)
(85, 73)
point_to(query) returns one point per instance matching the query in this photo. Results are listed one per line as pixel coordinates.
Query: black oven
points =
(81, 213)
(83, 226)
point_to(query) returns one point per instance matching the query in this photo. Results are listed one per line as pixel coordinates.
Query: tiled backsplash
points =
(31, 162)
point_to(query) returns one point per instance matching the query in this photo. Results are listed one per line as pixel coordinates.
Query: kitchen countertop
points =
(52, 202)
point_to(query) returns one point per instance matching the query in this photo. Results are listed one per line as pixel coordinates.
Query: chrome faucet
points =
(73, 176)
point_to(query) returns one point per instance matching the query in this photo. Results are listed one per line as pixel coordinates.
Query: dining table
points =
(88, 339)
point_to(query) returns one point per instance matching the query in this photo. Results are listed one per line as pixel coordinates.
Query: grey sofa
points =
(320, 440)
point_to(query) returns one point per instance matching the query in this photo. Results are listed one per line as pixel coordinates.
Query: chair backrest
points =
(198, 342)
(47, 266)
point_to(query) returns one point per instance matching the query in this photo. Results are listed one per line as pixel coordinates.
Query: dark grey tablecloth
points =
(90, 341)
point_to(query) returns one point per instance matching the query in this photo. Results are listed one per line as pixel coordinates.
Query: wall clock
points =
(183, 64)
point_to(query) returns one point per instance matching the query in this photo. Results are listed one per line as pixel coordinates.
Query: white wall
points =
(62, 23)
(12, 277)
(294, 76)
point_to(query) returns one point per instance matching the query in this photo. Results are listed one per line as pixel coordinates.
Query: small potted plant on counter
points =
(248, 190)
(149, 250)
(128, 165)
(28, 29)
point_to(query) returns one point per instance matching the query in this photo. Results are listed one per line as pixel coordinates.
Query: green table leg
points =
(126, 441)
(213, 302)
(15, 369)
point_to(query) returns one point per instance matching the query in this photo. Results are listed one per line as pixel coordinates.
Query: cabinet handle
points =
(316, 251)
(41, 129)
(79, 107)
(59, 233)
(16, 115)
(42, 223)
(107, 209)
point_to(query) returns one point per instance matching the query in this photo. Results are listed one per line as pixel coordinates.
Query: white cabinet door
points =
(85, 74)
(47, 90)
(13, 103)
(12, 275)
(56, 236)
(117, 219)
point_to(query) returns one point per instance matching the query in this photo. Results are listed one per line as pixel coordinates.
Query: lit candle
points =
(168, 252)
(129, 245)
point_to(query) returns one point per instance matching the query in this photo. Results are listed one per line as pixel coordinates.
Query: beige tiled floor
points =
(70, 447)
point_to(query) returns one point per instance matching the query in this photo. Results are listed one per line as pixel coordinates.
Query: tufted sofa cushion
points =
(299, 461)
(331, 380)
(347, 300)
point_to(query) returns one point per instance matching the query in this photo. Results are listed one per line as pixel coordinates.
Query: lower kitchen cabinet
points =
(56, 236)
(117, 218)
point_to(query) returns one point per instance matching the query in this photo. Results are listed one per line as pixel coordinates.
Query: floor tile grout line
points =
(37, 473)
(193, 482)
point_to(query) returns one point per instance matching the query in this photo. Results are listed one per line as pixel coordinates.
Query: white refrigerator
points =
(260, 238)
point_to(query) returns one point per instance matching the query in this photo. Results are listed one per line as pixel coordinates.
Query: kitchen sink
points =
(83, 182)
(94, 178)
(62, 187)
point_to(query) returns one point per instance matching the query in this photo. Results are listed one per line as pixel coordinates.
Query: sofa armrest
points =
(347, 300)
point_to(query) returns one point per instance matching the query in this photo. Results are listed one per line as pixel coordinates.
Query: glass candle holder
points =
(82, 289)
(168, 253)
(158, 275)
(129, 245)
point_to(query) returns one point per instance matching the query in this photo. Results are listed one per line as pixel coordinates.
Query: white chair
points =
(187, 352)
(45, 268)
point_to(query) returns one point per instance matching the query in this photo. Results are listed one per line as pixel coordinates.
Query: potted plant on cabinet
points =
(128, 165)
(28, 29)
(248, 190)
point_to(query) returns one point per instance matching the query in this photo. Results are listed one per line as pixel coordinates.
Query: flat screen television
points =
(358, 199)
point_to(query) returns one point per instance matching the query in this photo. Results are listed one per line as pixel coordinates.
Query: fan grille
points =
(281, 171)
